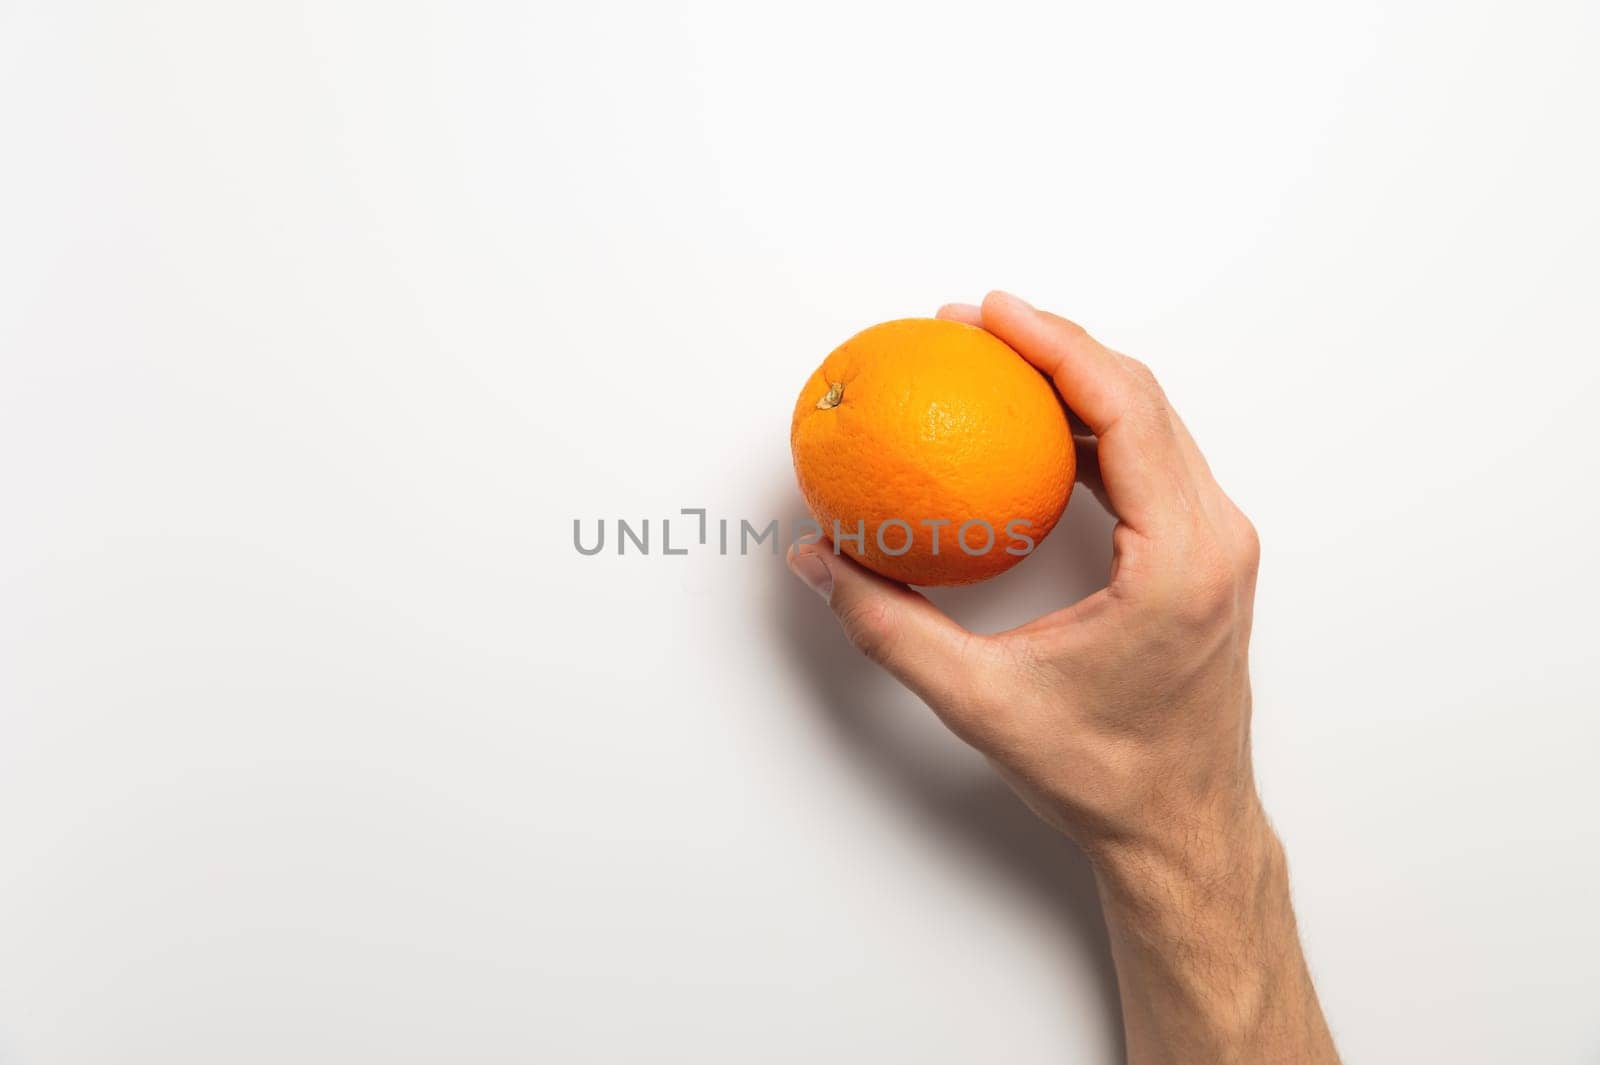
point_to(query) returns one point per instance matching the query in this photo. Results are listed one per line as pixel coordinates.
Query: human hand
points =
(1123, 719)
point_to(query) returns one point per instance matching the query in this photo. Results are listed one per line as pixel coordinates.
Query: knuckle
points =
(870, 627)
(1071, 330)
(1142, 376)
(1249, 543)
(1145, 393)
(1207, 594)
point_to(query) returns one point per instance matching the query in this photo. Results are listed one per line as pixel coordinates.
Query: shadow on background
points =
(973, 812)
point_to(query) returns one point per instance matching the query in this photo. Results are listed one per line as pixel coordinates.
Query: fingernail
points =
(960, 310)
(1003, 294)
(809, 567)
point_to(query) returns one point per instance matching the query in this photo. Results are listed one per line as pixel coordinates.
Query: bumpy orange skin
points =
(936, 420)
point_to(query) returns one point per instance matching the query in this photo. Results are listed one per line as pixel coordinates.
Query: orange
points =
(931, 452)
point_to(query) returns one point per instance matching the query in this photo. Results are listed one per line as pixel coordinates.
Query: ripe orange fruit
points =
(922, 421)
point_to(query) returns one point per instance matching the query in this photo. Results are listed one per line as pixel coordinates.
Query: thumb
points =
(894, 626)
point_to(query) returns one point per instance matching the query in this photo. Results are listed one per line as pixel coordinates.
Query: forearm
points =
(1208, 958)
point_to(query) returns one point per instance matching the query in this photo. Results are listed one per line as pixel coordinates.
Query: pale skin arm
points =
(1124, 719)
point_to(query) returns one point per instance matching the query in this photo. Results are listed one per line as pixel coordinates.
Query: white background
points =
(320, 323)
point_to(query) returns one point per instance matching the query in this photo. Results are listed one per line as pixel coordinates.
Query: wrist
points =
(1188, 865)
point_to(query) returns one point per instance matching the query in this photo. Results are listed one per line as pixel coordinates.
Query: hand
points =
(1124, 719)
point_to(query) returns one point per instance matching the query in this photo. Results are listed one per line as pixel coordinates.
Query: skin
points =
(1123, 720)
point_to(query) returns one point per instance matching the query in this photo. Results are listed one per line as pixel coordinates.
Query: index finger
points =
(1141, 459)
